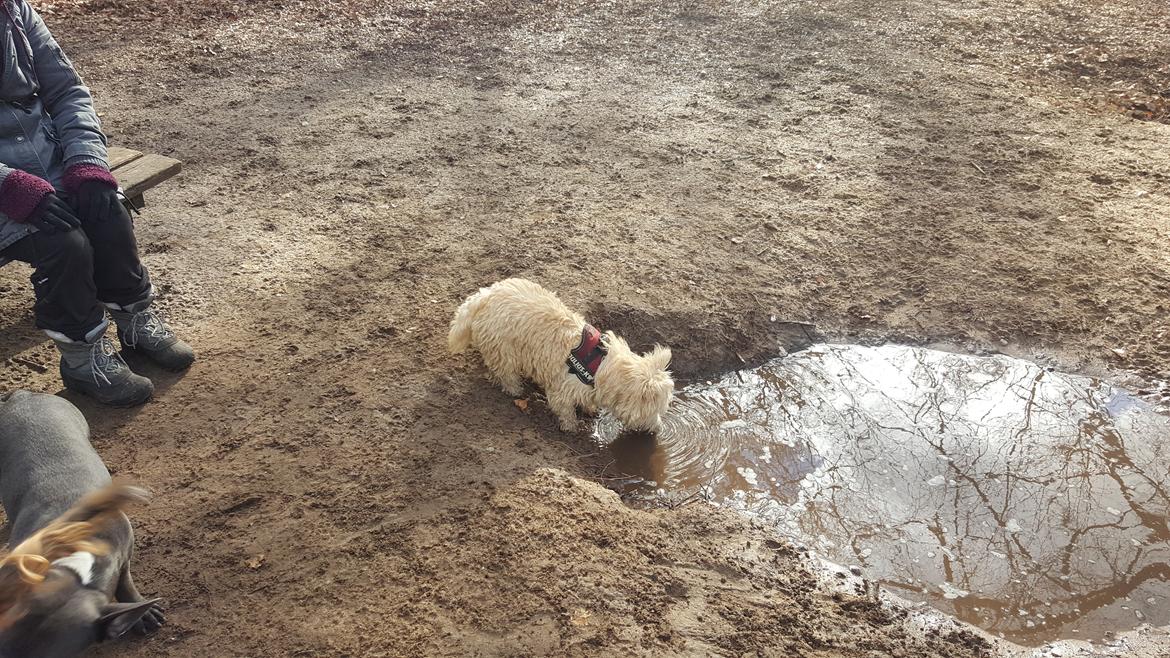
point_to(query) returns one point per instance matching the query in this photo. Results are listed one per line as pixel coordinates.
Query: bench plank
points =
(119, 156)
(144, 172)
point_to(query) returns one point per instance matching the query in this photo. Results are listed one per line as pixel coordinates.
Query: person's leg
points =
(123, 285)
(66, 295)
(68, 310)
(118, 272)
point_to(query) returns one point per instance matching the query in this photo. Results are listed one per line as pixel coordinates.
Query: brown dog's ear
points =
(104, 501)
(18, 575)
(659, 357)
(118, 618)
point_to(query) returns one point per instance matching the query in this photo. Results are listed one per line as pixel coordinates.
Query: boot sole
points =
(79, 388)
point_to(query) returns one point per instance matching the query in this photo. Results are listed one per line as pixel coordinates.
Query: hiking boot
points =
(142, 330)
(93, 367)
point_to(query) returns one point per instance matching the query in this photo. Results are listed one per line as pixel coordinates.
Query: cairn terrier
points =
(525, 332)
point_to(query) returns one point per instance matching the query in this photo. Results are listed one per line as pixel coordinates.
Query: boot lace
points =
(147, 327)
(105, 361)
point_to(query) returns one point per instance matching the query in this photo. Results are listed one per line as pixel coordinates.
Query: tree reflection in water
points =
(1031, 503)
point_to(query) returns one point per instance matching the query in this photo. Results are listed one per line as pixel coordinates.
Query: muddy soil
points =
(992, 175)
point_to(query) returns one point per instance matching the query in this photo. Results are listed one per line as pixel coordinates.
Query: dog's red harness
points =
(586, 358)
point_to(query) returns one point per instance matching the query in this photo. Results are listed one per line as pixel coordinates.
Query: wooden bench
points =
(137, 172)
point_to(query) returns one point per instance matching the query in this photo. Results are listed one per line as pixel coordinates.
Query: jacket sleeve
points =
(64, 94)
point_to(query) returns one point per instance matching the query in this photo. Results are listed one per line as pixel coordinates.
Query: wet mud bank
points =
(1030, 503)
(707, 342)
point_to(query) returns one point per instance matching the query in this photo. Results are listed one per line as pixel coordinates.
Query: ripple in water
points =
(1030, 503)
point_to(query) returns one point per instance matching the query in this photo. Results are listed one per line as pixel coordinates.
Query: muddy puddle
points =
(1030, 503)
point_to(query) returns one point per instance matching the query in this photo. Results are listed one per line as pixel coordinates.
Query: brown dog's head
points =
(636, 388)
(47, 604)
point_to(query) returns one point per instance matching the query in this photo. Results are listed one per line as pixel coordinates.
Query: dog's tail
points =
(459, 338)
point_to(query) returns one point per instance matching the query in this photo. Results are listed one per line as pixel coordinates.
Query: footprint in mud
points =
(1033, 504)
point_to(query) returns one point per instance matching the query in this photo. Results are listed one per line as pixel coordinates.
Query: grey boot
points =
(94, 368)
(142, 330)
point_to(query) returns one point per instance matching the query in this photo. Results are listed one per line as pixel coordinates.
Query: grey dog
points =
(49, 473)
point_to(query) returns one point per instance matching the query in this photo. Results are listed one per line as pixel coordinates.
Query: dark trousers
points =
(74, 272)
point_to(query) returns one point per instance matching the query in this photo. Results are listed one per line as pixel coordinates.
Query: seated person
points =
(61, 213)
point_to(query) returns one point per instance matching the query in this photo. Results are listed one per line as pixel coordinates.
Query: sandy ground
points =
(990, 175)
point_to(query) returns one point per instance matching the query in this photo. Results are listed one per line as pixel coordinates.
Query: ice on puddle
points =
(951, 592)
(1012, 526)
(749, 475)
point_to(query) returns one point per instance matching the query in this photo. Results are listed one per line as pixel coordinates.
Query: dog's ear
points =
(105, 502)
(615, 343)
(659, 357)
(118, 618)
(18, 575)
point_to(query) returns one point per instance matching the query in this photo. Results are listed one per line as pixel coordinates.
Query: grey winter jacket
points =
(47, 120)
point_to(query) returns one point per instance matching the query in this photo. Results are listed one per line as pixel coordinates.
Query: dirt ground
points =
(989, 175)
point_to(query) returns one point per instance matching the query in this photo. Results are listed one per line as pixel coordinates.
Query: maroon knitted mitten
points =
(84, 173)
(21, 193)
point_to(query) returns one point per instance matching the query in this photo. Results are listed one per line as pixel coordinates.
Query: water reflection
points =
(1031, 503)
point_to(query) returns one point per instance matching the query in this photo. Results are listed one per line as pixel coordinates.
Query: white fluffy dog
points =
(525, 332)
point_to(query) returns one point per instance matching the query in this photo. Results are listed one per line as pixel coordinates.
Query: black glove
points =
(96, 201)
(53, 215)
